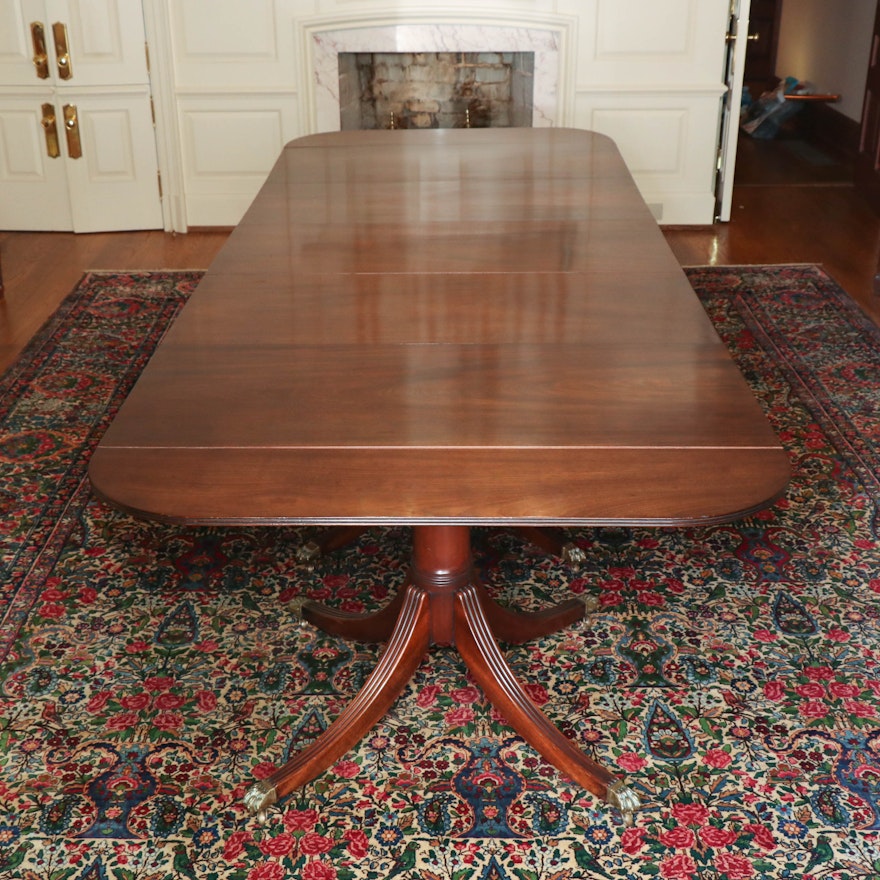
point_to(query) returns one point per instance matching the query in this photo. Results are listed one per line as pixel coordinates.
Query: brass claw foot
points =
(573, 555)
(620, 795)
(259, 797)
(308, 554)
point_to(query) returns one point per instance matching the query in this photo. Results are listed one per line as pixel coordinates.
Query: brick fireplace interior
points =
(435, 89)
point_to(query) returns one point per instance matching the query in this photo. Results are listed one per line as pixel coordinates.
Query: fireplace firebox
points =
(435, 89)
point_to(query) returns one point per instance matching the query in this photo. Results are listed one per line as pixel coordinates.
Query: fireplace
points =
(529, 60)
(435, 89)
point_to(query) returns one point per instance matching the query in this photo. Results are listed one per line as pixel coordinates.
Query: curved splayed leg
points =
(516, 627)
(405, 650)
(374, 627)
(473, 638)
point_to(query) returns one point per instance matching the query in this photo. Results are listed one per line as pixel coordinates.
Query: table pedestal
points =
(442, 603)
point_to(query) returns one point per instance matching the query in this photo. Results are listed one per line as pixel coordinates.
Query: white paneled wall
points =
(234, 93)
(249, 75)
(650, 75)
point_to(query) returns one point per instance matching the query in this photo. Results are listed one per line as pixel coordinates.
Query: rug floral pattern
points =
(150, 673)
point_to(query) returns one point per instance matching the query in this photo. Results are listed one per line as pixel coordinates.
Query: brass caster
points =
(307, 555)
(573, 555)
(299, 618)
(620, 795)
(259, 797)
(591, 605)
(295, 607)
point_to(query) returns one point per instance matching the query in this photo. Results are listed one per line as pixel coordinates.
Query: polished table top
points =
(463, 326)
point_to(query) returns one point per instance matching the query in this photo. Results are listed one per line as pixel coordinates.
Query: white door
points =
(33, 184)
(735, 60)
(77, 147)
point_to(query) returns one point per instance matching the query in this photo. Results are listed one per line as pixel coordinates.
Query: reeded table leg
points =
(490, 670)
(443, 603)
(396, 667)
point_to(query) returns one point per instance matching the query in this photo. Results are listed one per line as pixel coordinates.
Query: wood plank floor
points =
(41, 268)
(791, 208)
(823, 223)
(829, 225)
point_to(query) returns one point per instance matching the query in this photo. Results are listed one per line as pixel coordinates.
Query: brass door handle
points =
(41, 59)
(51, 130)
(62, 55)
(751, 38)
(71, 125)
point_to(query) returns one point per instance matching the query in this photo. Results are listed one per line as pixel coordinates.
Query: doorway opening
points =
(817, 144)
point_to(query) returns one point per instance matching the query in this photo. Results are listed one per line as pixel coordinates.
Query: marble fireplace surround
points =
(547, 39)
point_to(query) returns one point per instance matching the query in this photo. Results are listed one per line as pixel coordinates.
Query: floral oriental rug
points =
(150, 673)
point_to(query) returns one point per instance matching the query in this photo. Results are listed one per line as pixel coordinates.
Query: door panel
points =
(734, 66)
(114, 185)
(33, 186)
(16, 46)
(105, 38)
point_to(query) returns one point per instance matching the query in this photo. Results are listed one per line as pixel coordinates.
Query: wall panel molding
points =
(649, 73)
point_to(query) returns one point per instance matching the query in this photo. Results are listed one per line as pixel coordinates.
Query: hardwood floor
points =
(829, 225)
(41, 268)
(786, 210)
(821, 222)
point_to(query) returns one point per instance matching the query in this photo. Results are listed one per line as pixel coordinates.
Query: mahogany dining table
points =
(439, 330)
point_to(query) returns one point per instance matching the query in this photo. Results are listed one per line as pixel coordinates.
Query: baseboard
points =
(824, 126)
